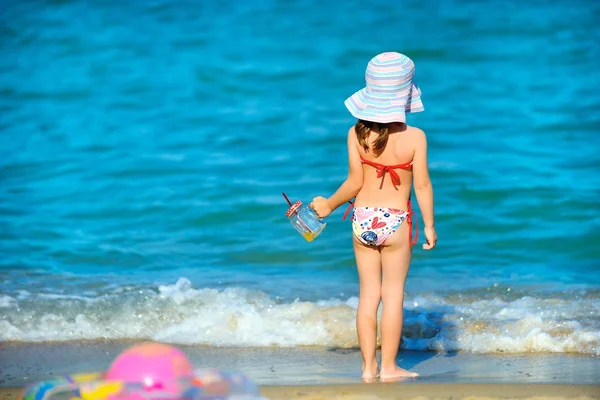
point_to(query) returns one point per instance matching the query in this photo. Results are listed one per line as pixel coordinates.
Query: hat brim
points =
(384, 107)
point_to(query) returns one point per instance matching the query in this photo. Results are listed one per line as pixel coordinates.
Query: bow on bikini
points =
(390, 169)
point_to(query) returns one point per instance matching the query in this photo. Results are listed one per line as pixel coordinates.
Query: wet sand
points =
(321, 373)
(385, 391)
(389, 391)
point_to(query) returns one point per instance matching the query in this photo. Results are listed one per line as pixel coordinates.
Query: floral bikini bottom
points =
(374, 225)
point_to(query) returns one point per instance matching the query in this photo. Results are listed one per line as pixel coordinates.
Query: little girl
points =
(386, 156)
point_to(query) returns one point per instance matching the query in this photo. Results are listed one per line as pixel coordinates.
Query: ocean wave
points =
(182, 314)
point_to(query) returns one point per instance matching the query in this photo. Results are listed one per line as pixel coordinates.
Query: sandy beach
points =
(24, 363)
(321, 373)
(389, 391)
(432, 391)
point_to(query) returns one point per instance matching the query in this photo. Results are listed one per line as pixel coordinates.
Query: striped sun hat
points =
(390, 92)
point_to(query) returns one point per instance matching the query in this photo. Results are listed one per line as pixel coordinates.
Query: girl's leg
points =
(395, 260)
(368, 261)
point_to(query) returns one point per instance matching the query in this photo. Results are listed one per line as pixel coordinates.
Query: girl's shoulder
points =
(413, 130)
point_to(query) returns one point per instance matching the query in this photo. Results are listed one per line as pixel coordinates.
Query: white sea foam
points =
(6, 301)
(182, 314)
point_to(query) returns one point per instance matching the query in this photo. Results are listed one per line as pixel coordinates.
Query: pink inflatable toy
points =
(147, 371)
(157, 366)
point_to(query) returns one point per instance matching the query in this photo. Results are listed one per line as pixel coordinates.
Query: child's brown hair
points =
(363, 129)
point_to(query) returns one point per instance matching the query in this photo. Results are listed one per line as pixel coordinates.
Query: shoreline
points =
(24, 363)
(388, 391)
(385, 391)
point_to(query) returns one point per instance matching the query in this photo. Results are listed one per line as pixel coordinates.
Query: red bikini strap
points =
(409, 219)
(406, 165)
(348, 210)
(382, 169)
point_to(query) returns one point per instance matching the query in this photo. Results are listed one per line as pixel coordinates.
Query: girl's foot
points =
(397, 373)
(369, 372)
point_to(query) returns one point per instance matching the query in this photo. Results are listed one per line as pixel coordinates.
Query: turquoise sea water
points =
(144, 146)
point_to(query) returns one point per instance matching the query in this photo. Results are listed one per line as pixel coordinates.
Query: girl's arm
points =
(351, 186)
(424, 189)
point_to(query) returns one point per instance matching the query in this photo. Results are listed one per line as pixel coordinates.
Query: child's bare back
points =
(400, 149)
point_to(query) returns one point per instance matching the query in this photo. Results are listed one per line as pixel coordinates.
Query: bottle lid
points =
(294, 208)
